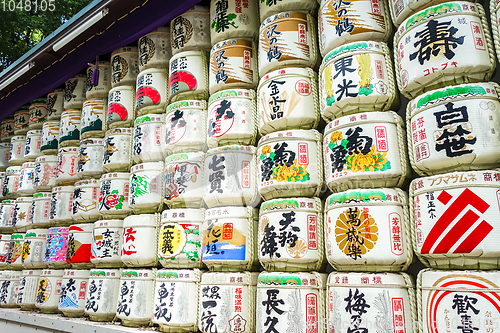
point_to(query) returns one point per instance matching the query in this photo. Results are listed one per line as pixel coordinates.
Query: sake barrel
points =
(232, 118)
(15, 253)
(230, 239)
(268, 7)
(45, 172)
(388, 293)
(135, 301)
(55, 102)
(38, 113)
(34, 248)
(176, 300)
(456, 299)
(287, 39)
(39, 213)
(90, 157)
(155, 49)
(146, 187)
(67, 166)
(352, 21)
(93, 118)
(117, 146)
(85, 201)
(26, 179)
(185, 126)
(6, 216)
(73, 289)
(183, 180)
(33, 145)
(401, 10)
(50, 137)
(79, 245)
(4, 155)
(49, 290)
(366, 150)
(69, 128)
(188, 76)
(148, 138)
(290, 295)
(233, 64)
(191, 30)
(227, 300)
(350, 68)
(230, 176)
(107, 243)
(102, 293)
(113, 195)
(21, 212)
(120, 112)
(124, 66)
(98, 81)
(138, 248)
(74, 93)
(288, 99)
(28, 284)
(16, 152)
(180, 238)
(21, 120)
(368, 230)
(422, 64)
(7, 129)
(61, 205)
(448, 233)
(11, 182)
(9, 286)
(291, 235)
(56, 247)
(289, 164)
(454, 129)
(151, 95)
(233, 19)
(4, 249)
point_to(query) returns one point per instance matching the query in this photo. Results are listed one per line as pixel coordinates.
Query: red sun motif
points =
(119, 109)
(184, 77)
(150, 92)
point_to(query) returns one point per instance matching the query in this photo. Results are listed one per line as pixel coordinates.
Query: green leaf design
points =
(331, 145)
(306, 177)
(272, 155)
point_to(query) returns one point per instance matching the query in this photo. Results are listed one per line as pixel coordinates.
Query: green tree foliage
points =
(24, 27)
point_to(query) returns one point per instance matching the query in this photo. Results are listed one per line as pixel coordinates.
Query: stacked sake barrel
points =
(452, 124)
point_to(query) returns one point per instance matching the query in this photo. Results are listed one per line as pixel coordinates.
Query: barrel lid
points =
(148, 166)
(67, 189)
(108, 223)
(283, 15)
(231, 278)
(149, 118)
(141, 220)
(81, 227)
(230, 212)
(187, 104)
(363, 118)
(435, 12)
(32, 272)
(4, 145)
(13, 170)
(87, 183)
(130, 49)
(232, 93)
(198, 53)
(24, 199)
(294, 135)
(231, 149)
(369, 280)
(10, 275)
(378, 196)
(138, 274)
(288, 71)
(76, 273)
(182, 157)
(445, 95)
(55, 230)
(183, 215)
(232, 41)
(36, 233)
(105, 273)
(46, 158)
(42, 195)
(52, 272)
(28, 165)
(303, 204)
(350, 48)
(91, 142)
(117, 131)
(34, 132)
(297, 280)
(486, 178)
(71, 150)
(180, 275)
(116, 175)
(18, 138)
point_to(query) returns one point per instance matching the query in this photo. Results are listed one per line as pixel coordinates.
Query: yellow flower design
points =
(372, 161)
(356, 232)
(266, 150)
(299, 250)
(295, 172)
(336, 136)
